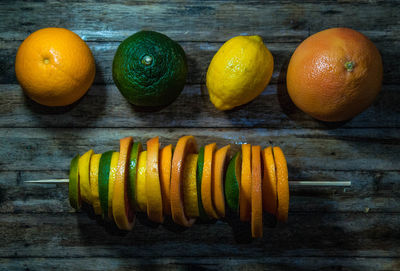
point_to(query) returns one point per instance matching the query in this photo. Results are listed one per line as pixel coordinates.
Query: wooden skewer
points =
(291, 183)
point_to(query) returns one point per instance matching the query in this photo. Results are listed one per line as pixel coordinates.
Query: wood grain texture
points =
(200, 20)
(214, 263)
(355, 228)
(38, 235)
(104, 106)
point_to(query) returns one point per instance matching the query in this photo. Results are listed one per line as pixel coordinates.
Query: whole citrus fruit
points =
(54, 66)
(149, 69)
(239, 72)
(335, 74)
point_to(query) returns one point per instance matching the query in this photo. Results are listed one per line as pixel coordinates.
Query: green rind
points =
(199, 174)
(133, 162)
(104, 175)
(73, 185)
(157, 84)
(232, 185)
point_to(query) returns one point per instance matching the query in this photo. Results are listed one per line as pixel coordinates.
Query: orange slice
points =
(190, 199)
(269, 195)
(245, 184)
(256, 193)
(153, 188)
(185, 146)
(165, 177)
(123, 213)
(219, 169)
(141, 197)
(282, 184)
(94, 182)
(206, 180)
(111, 181)
(83, 168)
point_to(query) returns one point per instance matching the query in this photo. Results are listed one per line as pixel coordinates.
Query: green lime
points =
(133, 163)
(199, 174)
(150, 69)
(232, 181)
(73, 185)
(104, 175)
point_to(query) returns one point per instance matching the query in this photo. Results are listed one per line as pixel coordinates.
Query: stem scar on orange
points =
(54, 66)
(335, 74)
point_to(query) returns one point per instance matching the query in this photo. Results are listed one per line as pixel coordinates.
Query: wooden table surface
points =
(356, 228)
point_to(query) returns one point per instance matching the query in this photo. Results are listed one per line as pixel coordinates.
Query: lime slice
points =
(232, 181)
(73, 186)
(104, 175)
(133, 166)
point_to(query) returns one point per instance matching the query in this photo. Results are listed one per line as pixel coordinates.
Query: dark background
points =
(356, 228)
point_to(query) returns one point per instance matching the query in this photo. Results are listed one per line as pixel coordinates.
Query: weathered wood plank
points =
(211, 263)
(104, 106)
(199, 55)
(370, 192)
(337, 149)
(305, 235)
(200, 20)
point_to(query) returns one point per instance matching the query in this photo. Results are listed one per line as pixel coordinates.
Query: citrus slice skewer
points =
(94, 182)
(256, 193)
(269, 197)
(185, 146)
(122, 210)
(219, 168)
(83, 168)
(245, 184)
(165, 177)
(153, 188)
(206, 180)
(190, 199)
(282, 184)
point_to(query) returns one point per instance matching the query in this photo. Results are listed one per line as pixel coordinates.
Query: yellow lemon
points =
(239, 72)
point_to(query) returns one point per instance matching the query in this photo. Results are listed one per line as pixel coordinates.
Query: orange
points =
(206, 180)
(256, 193)
(245, 184)
(219, 166)
(282, 184)
(54, 66)
(153, 187)
(123, 213)
(185, 146)
(269, 196)
(165, 177)
(335, 74)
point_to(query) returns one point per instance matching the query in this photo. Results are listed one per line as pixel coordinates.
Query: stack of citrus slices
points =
(182, 183)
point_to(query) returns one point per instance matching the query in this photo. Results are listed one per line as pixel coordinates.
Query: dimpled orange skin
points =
(320, 83)
(54, 66)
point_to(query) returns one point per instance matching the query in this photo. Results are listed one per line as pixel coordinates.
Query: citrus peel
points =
(121, 205)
